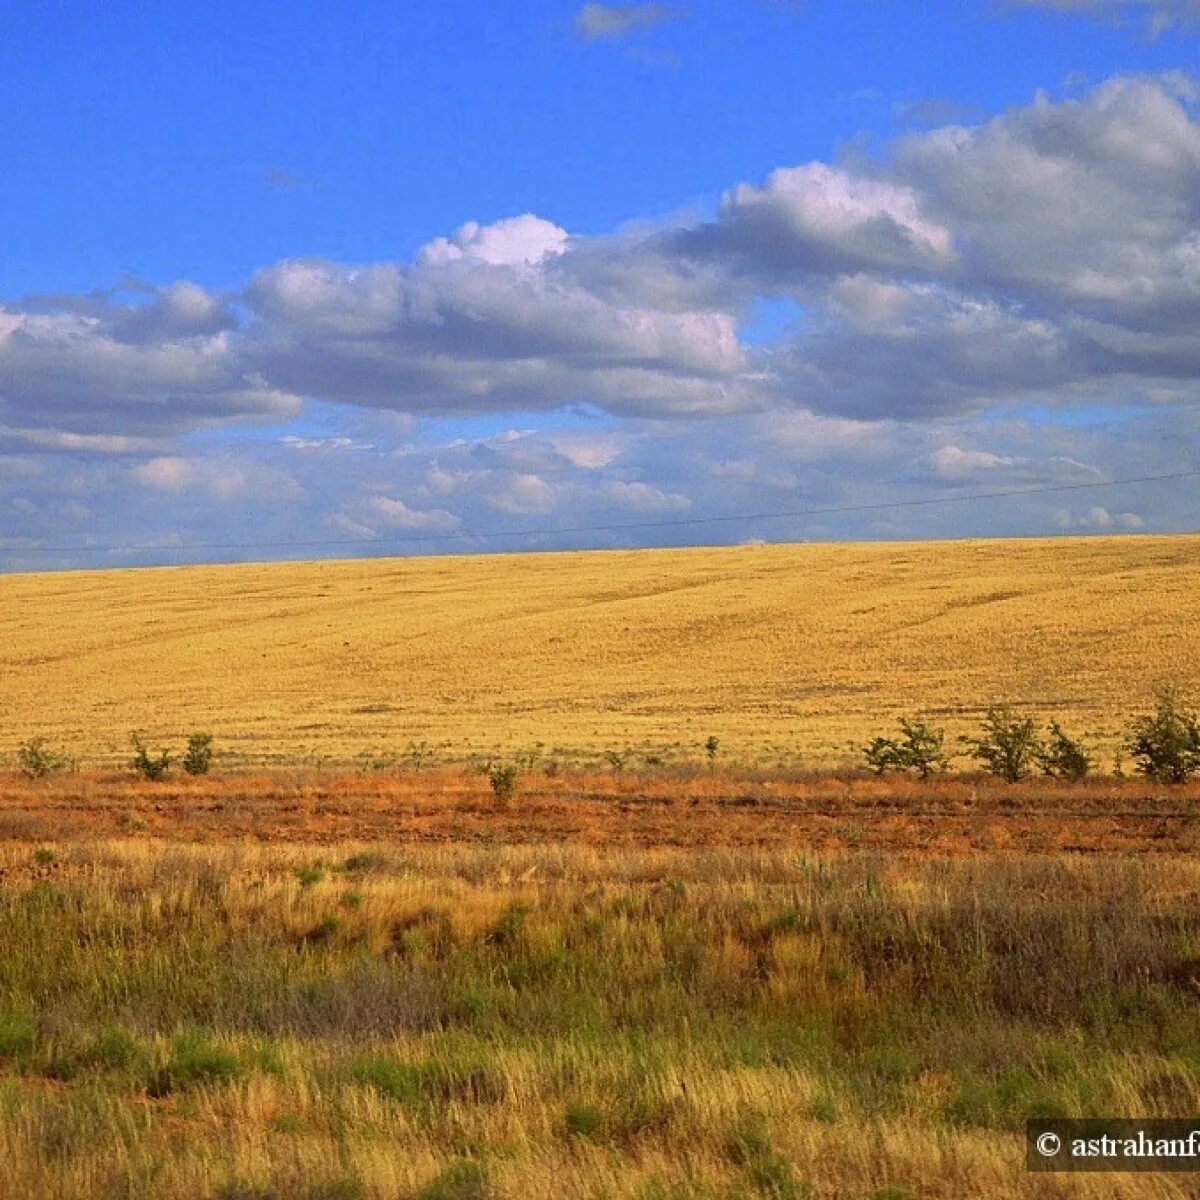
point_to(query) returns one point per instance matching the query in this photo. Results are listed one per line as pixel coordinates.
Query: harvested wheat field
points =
(788, 654)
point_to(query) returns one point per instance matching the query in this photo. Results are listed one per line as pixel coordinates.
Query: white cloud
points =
(645, 497)
(127, 370)
(817, 220)
(313, 444)
(1050, 254)
(221, 479)
(396, 513)
(953, 462)
(169, 473)
(515, 241)
(1090, 201)
(525, 493)
(596, 20)
(592, 451)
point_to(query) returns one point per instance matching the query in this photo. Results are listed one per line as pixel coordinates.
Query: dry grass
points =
(376, 1023)
(786, 653)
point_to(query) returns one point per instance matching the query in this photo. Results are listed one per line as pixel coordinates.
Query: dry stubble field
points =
(786, 653)
(327, 981)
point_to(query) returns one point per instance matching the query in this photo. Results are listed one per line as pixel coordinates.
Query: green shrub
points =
(1166, 743)
(431, 1082)
(37, 760)
(919, 748)
(365, 860)
(310, 874)
(1061, 757)
(1008, 746)
(770, 1173)
(510, 928)
(464, 1180)
(17, 1036)
(582, 1120)
(711, 746)
(197, 759)
(194, 1061)
(43, 856)
(147, 765)
(503, 777)
(114, 1050)
(340, 1187)
(325, 930)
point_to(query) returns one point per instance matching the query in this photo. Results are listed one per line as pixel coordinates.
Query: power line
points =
(671, 523)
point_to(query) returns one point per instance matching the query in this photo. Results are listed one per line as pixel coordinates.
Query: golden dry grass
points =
(785, 653)
(181, 1021)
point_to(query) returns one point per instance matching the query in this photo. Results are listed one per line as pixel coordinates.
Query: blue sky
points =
(358, 274)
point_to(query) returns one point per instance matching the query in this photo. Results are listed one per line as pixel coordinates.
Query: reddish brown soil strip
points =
(822, 813)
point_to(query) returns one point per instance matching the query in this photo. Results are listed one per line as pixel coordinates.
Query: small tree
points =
(883, 755)
(147, 765)
(503, 778)
(37, 760)
(919, 748)
(1166, 743)
(1062, 757)
(1008, 746)
(198, 758)
(710, 748)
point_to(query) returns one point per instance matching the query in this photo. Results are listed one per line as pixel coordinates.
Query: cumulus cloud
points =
(395, 514)
(1091, 201)
(526, 239)
(220, 479)
(525, 493)
(596, 20)
(1049, 254)
(1098, 519)
(1074, 277)
(106, 367)
(1048, 257)
(492, 319)
(645, 497)
(819, 220)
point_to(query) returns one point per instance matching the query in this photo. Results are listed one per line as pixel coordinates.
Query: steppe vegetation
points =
(457, 1022)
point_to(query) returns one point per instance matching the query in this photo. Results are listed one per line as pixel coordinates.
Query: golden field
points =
(788, 654)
